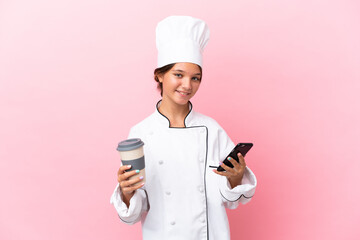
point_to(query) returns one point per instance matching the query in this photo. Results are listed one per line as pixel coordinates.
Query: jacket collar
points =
(164, 121)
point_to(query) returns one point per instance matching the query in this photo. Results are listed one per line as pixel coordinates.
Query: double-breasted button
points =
(201, 189)
(201, 159)
(202, 220)
(172, 222)
(161, 162)
(168, 193)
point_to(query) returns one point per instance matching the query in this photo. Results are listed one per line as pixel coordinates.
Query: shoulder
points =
(143, 126)
(217, 136)
(207, 121)
(214, 128)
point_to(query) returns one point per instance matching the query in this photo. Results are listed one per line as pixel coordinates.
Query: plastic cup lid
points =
(130, 144)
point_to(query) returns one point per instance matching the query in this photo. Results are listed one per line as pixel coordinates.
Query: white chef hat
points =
(181, 39)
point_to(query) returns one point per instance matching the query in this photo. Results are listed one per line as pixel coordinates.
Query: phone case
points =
(243, 148)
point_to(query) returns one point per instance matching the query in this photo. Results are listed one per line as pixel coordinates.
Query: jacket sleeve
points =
(138, 203)
(241, 193)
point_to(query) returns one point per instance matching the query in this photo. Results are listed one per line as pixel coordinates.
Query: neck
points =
(174, 112)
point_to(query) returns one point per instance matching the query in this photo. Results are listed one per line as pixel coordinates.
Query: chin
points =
(181, 101)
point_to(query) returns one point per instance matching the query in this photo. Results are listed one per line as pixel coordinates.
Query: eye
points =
(178, 75)
(196, 79)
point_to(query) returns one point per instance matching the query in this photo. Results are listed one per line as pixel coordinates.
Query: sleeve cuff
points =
(127, 215)
(245, 190)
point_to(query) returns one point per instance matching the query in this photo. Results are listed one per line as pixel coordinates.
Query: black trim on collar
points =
(157, 104)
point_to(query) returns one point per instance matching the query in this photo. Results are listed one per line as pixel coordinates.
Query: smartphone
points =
(242, 148)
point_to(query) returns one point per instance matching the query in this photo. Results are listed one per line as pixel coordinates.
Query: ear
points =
(161, 77)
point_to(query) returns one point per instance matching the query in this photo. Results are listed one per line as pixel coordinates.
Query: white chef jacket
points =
(182, 197)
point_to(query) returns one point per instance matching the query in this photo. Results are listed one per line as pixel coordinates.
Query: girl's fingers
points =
(241, 160)
(123, 168)
(125, 175)
(129, 174)
(234, 163)
(221, 173)
(132, 181)
(127, 185)
(237, 167)
(228, 169)
(133, 188)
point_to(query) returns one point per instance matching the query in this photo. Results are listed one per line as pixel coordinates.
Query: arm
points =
(236, 185)
(129, 200)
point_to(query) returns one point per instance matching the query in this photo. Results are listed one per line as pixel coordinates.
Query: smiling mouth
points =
(183, 93)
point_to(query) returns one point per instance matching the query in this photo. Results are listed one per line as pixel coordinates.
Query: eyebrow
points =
(179, 70)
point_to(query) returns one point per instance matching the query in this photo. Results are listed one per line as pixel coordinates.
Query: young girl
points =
(183, 197)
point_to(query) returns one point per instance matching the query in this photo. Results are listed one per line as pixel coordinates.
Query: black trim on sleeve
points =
(242, 195)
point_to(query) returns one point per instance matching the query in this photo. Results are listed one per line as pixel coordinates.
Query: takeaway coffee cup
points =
(132, 153)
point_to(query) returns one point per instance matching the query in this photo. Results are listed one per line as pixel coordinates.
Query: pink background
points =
(76, 75)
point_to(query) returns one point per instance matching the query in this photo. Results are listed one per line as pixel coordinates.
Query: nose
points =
(186, 84)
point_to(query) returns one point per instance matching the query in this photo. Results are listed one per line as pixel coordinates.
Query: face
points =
(180, 83)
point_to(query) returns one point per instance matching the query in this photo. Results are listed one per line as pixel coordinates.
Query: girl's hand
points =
(127, 187)
(235, 174)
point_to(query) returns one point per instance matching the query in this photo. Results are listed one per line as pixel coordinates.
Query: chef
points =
(183, 197)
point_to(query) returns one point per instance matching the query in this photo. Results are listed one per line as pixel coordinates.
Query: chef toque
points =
(181, 39)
